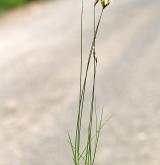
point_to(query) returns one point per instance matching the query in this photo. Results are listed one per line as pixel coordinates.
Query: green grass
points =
(86, 154)
(9, 4)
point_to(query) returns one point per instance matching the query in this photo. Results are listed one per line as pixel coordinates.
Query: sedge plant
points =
(85, 155)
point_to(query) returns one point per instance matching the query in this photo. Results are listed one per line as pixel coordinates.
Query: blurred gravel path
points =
(39, 65)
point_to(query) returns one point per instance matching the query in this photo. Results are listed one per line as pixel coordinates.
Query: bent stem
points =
(77, 138)
(87, 156)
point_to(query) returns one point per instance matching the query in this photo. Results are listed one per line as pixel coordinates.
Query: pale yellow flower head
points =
(104, 3)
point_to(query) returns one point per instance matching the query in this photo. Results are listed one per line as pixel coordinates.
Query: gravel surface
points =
(39, 76)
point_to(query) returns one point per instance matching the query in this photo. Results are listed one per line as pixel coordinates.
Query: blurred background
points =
(39, 80)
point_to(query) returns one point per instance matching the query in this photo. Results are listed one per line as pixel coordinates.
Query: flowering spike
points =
(105, 3)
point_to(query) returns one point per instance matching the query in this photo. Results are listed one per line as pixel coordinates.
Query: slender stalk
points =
(82, 94)
(84, 86)
(88, 64)
(89, 143)
(77, 139)
(87, 155)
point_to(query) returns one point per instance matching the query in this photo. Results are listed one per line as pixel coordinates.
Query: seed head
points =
(105, 3)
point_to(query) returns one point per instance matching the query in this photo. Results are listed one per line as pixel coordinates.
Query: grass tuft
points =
(87, 155)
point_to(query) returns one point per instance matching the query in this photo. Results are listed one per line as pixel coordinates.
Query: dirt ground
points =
(39, 76)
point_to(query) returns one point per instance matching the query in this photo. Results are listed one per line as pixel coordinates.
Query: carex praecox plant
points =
(85, 155)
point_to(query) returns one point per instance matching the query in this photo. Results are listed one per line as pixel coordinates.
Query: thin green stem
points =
(89, 142)
(87, 68)
(82, 89)
(77, 139)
